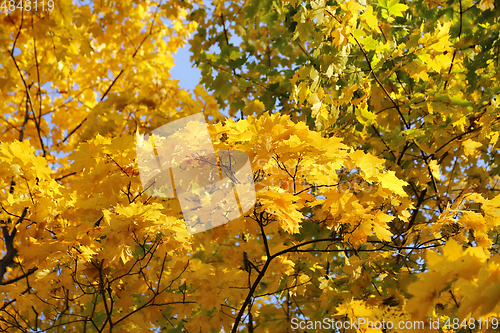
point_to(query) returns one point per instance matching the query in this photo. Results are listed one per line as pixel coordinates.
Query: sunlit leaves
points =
(393, 7)
(372, 133)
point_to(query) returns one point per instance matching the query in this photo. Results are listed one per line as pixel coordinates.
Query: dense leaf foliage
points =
(372, 129)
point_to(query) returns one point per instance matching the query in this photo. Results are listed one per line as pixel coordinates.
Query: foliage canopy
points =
(372, 128)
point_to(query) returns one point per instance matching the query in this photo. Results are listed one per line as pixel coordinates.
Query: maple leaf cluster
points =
(372, 132)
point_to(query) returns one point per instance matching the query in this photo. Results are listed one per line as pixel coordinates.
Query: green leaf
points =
(177, 329)
(395, 8)
(370, 44)
(365, 117)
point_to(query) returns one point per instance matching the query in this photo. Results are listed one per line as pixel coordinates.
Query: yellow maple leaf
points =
(470, 147)
(368, 164)
(370, 18)
(390, 181)
(434, 167)
(254, 106)
(382, 233)
(282, 206)
(486, 4)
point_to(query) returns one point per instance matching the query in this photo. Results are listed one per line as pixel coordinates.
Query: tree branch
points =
(8, 238)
